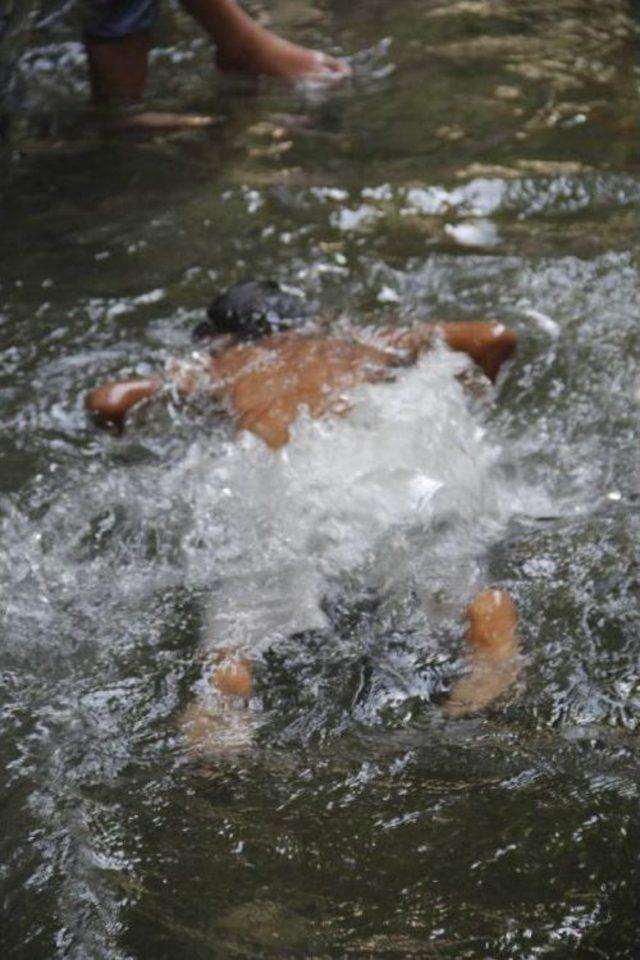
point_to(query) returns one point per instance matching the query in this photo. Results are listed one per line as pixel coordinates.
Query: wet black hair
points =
(250, 310)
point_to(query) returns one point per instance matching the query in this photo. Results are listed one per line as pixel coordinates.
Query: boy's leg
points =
(219, 720)
(244, 46)
(233, 675)
(494, 653)
(488, 344)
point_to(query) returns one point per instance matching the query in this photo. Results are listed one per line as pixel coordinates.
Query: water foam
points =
(364, 493)
(401, 496)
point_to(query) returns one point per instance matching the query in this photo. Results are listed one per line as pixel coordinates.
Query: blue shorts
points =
(113, 19)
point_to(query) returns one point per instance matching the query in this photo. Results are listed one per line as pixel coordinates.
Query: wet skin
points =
(118, 68)
(265, 384)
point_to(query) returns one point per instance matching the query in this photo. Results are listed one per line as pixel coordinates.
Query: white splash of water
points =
(268, 532)
(402, 496)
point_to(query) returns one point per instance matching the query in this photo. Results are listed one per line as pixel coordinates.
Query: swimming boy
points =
(265, 379)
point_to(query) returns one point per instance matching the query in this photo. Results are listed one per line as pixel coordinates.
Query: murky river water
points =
(484, 162)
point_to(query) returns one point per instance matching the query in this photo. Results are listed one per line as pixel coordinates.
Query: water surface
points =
(482, 163)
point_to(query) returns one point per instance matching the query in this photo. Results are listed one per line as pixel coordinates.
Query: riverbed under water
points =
(483, 162)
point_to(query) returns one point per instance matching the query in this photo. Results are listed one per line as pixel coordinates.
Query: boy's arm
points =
(487, 344)
(111, 402)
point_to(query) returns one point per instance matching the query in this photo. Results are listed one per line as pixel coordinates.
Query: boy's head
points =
(251, 310)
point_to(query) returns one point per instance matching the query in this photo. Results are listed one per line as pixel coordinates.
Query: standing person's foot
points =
(154, 121)
(262, 53)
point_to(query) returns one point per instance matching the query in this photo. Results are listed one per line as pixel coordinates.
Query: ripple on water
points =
(360, 822)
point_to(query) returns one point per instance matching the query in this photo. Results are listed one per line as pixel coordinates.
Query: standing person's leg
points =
(117, 44)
